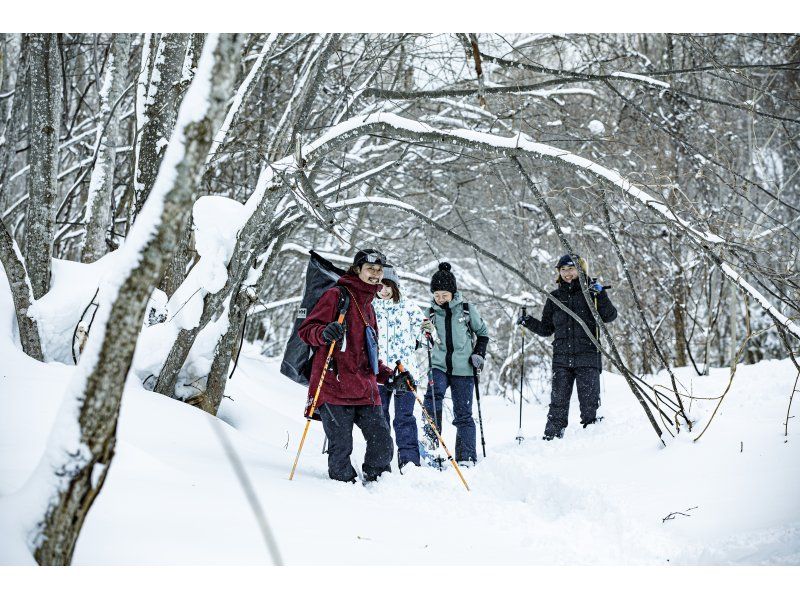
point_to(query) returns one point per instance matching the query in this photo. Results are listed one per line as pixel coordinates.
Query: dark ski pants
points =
(337, 421)
(587, 379)
(405, 425)
(461, 390)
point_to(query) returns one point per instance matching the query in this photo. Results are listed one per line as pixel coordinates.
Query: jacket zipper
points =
(448, 336)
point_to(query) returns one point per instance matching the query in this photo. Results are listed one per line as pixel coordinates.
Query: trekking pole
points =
(316, 396)
(476, 375)
(431, 385)
(401, 368)
(520, 437)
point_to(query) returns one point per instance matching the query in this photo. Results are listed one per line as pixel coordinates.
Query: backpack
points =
(321, 275)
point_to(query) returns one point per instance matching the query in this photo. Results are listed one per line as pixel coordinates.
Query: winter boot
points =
(592, 421)
(559, 434)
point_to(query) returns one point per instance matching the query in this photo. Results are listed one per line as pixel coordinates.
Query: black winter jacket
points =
(571, 346)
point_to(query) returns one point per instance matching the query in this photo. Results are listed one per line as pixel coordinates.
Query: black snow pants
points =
(587, 379)
(337, 421)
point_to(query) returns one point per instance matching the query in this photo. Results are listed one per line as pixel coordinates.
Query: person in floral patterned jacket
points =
(401, 326)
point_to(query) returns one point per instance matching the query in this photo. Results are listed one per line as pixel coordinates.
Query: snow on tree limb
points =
(389, 124)
(245, 89)
(79, 452)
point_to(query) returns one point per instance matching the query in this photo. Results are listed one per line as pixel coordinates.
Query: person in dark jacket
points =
(575, 358)
(349, 393)
(455, 361)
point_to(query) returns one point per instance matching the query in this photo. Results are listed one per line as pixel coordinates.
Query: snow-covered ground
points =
(599, 496)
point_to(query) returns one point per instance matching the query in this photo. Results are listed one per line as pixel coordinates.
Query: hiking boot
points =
(592, 421)
(559, 434)
(467, 463)
(401, 463)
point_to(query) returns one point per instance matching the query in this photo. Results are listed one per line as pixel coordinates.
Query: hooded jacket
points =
(452, 354)
(571, 345)
(349, 380)
(399, 329)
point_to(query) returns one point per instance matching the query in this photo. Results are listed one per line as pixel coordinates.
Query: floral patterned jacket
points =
(399, 329)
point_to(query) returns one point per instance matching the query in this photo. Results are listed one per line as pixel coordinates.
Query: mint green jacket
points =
(452, 354)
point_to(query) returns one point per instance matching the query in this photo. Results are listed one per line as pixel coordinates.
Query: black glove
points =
(400, 382)
(524, 321)
(333, 332)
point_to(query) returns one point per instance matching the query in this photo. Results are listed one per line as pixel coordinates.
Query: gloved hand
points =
(333, 332)
(596, 287)
(400, 382)
(476, 360)
(524, 320)
(428, 327)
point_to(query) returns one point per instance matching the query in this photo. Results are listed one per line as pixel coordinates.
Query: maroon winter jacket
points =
(349, 380)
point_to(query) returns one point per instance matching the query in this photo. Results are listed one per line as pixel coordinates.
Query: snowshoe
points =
(592, 421)
(431, 458)
(431, 440)
(467, 464)
(559, 434)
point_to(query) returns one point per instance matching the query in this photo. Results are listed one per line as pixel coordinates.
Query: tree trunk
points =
(79, 470)
(240, 303)
(45, 121)
(101, 185)
(160, 105)
(21, 293)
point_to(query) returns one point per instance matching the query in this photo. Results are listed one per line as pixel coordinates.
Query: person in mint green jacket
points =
(457, 356)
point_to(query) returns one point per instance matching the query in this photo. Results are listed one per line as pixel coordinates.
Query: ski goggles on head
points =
(371, 256)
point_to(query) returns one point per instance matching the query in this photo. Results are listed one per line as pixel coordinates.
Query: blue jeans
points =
(461, 388)
(405, 425)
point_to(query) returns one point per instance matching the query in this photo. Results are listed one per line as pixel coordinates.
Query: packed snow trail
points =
(596, 497)
(599, 496)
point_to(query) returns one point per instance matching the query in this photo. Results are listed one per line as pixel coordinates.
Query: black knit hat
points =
(443, 279)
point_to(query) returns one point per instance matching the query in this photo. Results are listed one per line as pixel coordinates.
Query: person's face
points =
(385, 292)
(568, 273)
(371, 273)
(442, 297)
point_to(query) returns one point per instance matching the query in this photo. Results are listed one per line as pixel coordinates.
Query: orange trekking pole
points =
(401, 368)
(316, 396)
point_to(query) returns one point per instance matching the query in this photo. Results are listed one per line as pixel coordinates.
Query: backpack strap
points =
(344, 299)
(467, 319)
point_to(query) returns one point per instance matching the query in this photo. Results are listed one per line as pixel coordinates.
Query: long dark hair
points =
(395, 289)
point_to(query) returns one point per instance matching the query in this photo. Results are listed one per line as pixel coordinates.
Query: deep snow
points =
(596, 497)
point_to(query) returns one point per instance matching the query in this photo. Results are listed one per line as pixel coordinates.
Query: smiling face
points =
(568, 273)
(385, 292)
(442, 297)
(371, 273)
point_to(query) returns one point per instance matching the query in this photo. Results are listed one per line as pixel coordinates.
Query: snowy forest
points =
(160, 195)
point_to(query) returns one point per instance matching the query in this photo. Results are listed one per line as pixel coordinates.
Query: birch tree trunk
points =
(10, 255)
(101, 185)
(160, 106)
(79, 465)
(45, 119)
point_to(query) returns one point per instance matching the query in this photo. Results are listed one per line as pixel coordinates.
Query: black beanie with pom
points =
(443, 279)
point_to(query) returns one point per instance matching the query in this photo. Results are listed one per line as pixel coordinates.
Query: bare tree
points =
(101, 185)
(97, 390)
(45, 123)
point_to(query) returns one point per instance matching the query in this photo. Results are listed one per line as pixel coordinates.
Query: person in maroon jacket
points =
(349, 393)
